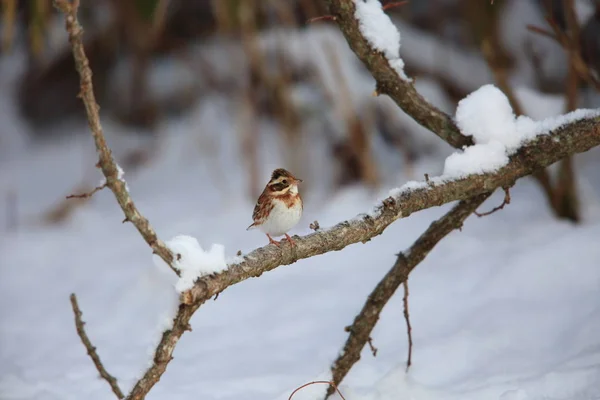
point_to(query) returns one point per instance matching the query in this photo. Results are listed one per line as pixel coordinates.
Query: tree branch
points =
(107, 164)
(369, 315)
(576, 137)
(91, 350)
(402, 92)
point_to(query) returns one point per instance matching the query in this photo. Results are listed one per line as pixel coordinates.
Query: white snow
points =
(380, 32)
(486, 116)
(477, 159)
(193, 261)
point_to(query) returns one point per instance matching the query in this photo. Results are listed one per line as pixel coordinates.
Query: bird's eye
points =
(284, 181)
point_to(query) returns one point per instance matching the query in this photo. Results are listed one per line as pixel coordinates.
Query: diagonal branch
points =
(546, 149)
(365, 321)
(402, 92)
(107, 164)
(91, 350)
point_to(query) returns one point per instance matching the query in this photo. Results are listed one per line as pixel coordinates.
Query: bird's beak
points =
(298, 180)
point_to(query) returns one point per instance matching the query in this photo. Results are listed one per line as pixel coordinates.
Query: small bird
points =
(279, 206)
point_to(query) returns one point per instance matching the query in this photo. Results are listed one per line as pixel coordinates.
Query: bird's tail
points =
(251, 226)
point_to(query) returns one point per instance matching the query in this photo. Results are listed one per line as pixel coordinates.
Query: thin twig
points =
(543, 32)
(331, 385)
(365, 321)
(321, 18)
(566, 199)
(500, 207)
(107, 164)
(389, 6)
(408, 326)
(91, 350)
(371, 346)
(87, 195)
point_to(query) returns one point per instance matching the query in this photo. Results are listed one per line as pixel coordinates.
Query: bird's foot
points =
(272, 241)
(292, 242)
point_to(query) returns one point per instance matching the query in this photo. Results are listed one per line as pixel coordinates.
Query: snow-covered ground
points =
(508, 308)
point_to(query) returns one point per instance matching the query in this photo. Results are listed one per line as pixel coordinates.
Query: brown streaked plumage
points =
(279, 207)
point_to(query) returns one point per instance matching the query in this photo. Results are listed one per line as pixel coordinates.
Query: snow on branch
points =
(380, 32)
(385, 70)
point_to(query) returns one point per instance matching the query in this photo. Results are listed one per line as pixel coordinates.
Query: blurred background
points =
(273, 82)
(200, 100)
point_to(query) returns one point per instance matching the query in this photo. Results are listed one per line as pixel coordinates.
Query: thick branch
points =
(369, 315)
(106, 162)
(547, 149)
(388, 82)
(91, 350)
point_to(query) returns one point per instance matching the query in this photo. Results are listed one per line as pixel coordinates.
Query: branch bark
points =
(369, 315)
(403, 93)
(91, 350)
(107, 164)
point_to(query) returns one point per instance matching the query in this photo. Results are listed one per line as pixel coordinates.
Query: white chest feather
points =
(281, 219)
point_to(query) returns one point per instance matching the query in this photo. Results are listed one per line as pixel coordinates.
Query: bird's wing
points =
(262, 209)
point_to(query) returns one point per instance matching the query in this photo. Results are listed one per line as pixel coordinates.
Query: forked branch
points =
(365, 321)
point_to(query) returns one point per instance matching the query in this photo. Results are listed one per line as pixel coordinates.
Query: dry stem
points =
(331, 385)
(500, 207)
(87, 195)
(106, 162)
(91, 350)
(408, 326)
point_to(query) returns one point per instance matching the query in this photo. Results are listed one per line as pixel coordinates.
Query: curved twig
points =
(331, 385)
(91, 350)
